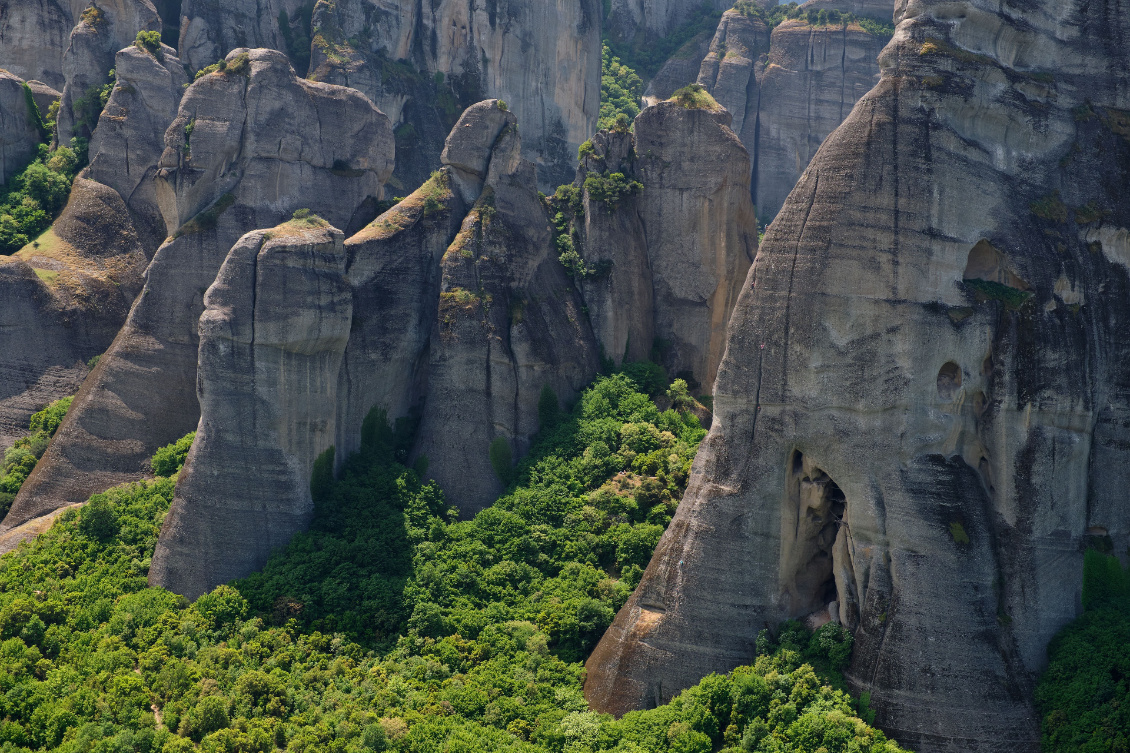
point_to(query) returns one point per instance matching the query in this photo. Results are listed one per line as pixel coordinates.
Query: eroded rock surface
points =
(921, 412)
(262, 144)
(18, 135)
(33, 36)
(129, 140)
(424, 61)
(98, 34)
(210, 29)
(651, 19)
(272, 336)
(666, 263)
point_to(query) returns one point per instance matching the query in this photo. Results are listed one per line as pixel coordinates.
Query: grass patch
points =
(47, 275)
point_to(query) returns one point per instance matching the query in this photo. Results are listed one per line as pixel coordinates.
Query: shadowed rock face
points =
(262, 144)
(272, 336)
(18, 135)
(668, 264)
(210, 29)
(787, 91)
(542, 59)
(652, 19)
(920, 415)
(33, 36)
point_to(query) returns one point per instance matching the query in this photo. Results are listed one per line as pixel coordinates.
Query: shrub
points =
(52, 416)
(611, 189)
(169, 459)
(620, 92)
(150, 41)
(549, 408)
(694, 97)
(98, 520)
(501, 459)
(322, 476)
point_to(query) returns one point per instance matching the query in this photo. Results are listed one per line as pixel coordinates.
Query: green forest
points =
(391, 624)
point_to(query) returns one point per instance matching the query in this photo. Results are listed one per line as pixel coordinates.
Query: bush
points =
(694, 97)
(49, 419)
(150, 41)
(501, 458)
(170, 458)
(98, 520)
(322, 475)
(32, 198)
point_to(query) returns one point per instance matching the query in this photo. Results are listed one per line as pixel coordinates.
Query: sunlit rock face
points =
(921, 415)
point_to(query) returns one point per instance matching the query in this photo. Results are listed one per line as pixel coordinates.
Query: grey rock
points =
(272, 337)
(89, 58)
(879, 10)
(669, 263)
(911, 420)
(18, 134)
(44, 96)
(629, 20)
(210, 29)
(679, 70)
(63, 301)
(263, 144)
(33, 36)
(129, 140)
(544, 61)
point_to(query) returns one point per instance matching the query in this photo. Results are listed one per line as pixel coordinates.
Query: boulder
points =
(19, 135)
(921, 411)
(248, 148)
(272, 336)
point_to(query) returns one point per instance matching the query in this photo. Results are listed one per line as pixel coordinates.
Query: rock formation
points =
(99, 33)
(878, 10)
(665, 265)
(642, 20)
(19, 136)
(249, 146)
(33, 36)
(920, 418)
(129, 139)
(272, 336)
(43, 95)
(210, 29)
(424, 62)
(62, 300)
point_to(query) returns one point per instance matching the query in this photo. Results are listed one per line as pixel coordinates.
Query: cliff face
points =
(18, 134)
(33, 36)
(210, 29)
(919, 420)
(272, 336)
(665, 265)
(651, 19)
(542, 60)
(89, 57)
(247, 149)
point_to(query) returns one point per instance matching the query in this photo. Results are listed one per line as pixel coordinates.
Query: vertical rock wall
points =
(18, 134)
(272, 336)
(920, 417)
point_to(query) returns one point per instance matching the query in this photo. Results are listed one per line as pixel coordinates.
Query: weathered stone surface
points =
(894, 432)
(62, 302)
(542, 59)
(729, 70)
(129, 139)
(18, 134)
(879, 10)
(210, 29)
(668, 264)
(629, 20)
(263, 143)
(95, 40)
(679, 70)
(509, 325)
(43, 95)
(272, 336)
(813, 78)
(33, 36)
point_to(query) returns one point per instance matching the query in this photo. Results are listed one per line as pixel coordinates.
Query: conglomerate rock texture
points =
(248, 147)
(787, 91)
(272, 336)
(920, 418)
(666, 265)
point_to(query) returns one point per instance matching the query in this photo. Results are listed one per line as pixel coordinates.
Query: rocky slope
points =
(249, 146)
(272, 336)
(69, 293)
(666, 265)
(919, 421)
